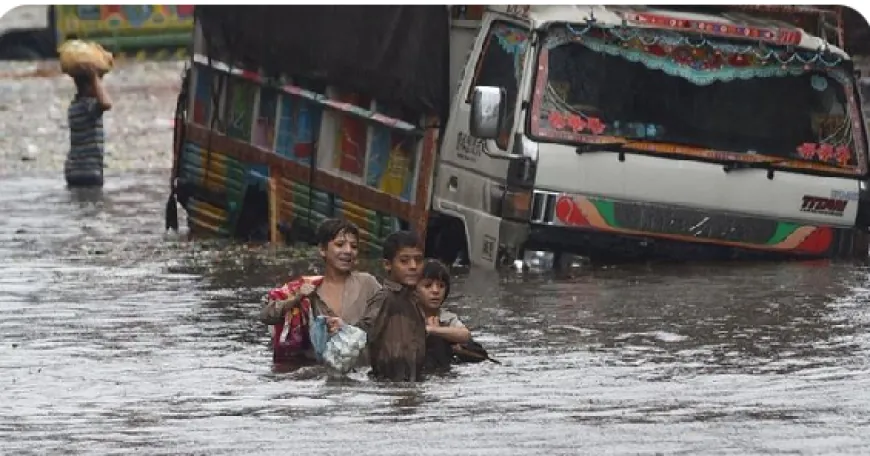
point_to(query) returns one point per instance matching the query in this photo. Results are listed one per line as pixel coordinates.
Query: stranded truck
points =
(613, 132)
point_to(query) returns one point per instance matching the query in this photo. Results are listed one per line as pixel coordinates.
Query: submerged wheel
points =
(252, 222)
(856, 245)
(446, 240)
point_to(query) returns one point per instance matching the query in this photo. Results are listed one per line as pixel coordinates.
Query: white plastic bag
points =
(344, 348)
(340, 350)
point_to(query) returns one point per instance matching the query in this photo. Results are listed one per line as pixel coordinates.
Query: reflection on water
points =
(84, 196)
(116, 338)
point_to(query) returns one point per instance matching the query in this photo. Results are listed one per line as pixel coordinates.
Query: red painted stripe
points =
(248, 74)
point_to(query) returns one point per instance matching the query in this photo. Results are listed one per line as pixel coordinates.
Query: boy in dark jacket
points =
(394, 325)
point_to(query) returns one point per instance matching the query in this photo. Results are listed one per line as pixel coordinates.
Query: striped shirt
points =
(84, 164)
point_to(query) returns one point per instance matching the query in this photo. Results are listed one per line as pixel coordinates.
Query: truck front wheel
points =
(446, 240)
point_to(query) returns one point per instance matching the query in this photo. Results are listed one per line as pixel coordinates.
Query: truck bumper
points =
(609, 247)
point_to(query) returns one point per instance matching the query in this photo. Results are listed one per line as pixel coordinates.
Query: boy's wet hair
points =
(329, 229)
(398, 241)
(436, 270)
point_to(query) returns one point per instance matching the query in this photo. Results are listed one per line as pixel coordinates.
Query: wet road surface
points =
(118, 339)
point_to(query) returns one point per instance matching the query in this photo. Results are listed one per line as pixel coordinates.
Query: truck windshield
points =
(697, 95)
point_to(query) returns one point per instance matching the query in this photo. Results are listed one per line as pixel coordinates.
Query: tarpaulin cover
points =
(395, 54)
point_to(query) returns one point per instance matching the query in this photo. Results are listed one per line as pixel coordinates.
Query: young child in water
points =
(444, 329)
(340, 292)
(395, 328)
(433, 288)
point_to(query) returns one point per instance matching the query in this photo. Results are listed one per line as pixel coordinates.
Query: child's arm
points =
(370, 285)
(276, 308)
(274, 311)
(454, 332)
(100, 91)
(373, 318)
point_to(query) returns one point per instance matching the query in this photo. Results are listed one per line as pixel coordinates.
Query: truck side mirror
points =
(487, 112)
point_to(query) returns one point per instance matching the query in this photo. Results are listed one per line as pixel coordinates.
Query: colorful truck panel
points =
(315, 153)
(136, 30)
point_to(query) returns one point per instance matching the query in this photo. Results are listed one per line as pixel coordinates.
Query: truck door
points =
(470, 183)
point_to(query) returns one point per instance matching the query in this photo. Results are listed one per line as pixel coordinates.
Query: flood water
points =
(118, 339)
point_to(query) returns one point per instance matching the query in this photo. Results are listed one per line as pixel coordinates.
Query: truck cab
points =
(637, 132)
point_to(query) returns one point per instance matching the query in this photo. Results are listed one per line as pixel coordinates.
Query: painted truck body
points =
(154, 31)
(610, 132)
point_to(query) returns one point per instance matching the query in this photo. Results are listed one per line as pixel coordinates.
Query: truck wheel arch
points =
(447, 238)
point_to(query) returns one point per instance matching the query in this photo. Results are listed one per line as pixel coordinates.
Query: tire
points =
(858, 246)
(448, 240)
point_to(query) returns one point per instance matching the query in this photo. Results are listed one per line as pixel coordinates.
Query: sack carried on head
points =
(77, 55)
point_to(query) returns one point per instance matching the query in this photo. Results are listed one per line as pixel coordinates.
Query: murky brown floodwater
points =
(115, 338)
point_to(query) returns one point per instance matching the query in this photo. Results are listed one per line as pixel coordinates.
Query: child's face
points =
(406, 266)
(341, 252)
(431, 293)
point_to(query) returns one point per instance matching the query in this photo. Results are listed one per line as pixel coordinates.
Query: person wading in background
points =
(84, 163)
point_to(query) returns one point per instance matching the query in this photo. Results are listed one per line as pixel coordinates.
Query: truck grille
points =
(543, 207)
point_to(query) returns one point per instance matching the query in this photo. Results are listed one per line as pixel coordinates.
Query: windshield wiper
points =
(734, 165)
(729, 165)
(600, 147)
(621, 146)
(618, 147)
